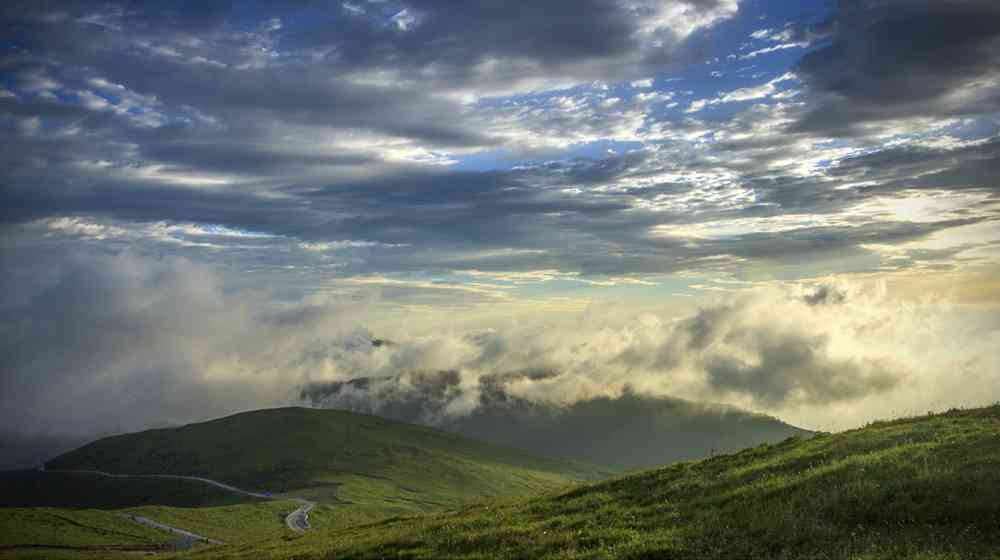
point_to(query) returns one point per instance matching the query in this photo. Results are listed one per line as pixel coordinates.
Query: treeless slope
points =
(916, 488)
(327, 454)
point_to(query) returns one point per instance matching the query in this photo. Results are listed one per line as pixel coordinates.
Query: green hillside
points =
(237, 524)
(331, 456)
(925, 488)
(44, 532)
(57, 527)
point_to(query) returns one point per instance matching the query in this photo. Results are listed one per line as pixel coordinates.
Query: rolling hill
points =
(925, 488)
(331, 456)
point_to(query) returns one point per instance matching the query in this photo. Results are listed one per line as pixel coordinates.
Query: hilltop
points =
(924, 488)
(331, 456)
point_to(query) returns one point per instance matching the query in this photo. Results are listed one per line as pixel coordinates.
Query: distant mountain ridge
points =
(631, 430)
(331, 455)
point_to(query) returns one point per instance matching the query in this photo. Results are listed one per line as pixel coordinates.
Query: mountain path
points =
(297, 520)
(164, 527)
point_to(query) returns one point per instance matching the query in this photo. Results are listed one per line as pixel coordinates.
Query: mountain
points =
(629, 431)
(924, 487)
(331, 455)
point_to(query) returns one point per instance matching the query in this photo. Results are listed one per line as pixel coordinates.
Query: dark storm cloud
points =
(231, 60)
(444, 214)
(898, 59)
(590, 39)
(472, 207)
(233, 157)
(972, 167)
(299, 95)
(813, 242)
(453, 35)
(292, 93)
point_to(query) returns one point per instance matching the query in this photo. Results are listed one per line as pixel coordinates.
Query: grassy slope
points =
(918, 488)
(331, 456)
(375, 467)
(240, 524)
(57, 527)
(233, 524)
(83, 510)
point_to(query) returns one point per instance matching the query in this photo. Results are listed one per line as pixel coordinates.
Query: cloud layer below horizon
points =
(105, 343)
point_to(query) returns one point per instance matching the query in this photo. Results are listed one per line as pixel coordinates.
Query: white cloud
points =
(774, 35)
(775, 48)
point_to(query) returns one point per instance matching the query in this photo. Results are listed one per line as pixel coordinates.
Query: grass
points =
(366, 467)
(235, 524)
(332, 456)
(926, 488)
(24, 530)
(69, 528)
(84, 511)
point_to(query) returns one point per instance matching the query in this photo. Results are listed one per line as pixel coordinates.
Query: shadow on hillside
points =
(86, 491)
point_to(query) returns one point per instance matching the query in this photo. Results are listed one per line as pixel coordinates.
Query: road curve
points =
(162, 526)
(297, 520)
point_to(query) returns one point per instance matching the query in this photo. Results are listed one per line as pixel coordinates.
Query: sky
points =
(789, 207)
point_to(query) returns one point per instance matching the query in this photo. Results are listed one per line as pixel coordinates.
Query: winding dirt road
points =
(297, 520)
(162, 526)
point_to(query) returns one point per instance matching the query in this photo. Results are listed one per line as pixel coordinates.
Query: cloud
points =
(778, 351)
(825, 294)
(99, 343)
(422, 155)
(785, 367)
(490, 44)
(899, 59)
(311, 134)
(743, 94)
